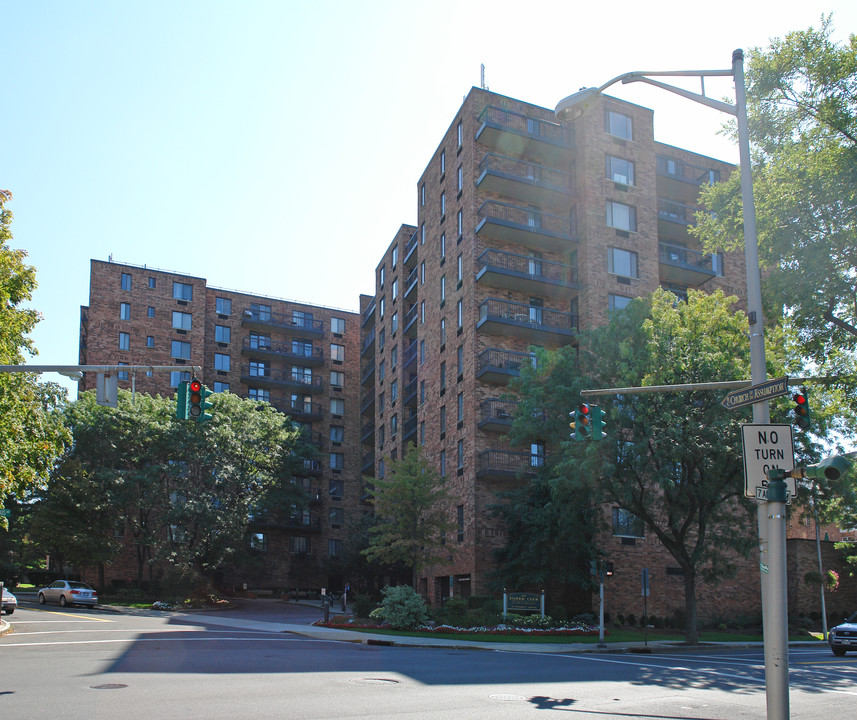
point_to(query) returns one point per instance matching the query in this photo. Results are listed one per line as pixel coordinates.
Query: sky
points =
(274, 147)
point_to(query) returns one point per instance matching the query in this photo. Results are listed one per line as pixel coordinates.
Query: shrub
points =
(363, 605)
(558, 613)
(404, 609)
(589, 619)
(631, 619)
(454, 611)
(178, 583)
(656, 621)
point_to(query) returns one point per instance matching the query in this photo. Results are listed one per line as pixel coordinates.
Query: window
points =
(260, 312)
(337, 326)
(422, 272)
(460, 407)
(394, 391)
(299, 347)
(459, 511)
(422, 391)
(394, 322)
(618, 125)
(537, 454)
(258, 542)
(443, 463)
(394, 289)
(422, 194)
(620, 170)
(335, 488)
(460, 312)
(382, 370)
(381, 468)
(626, 524)
(150, 341)
(298, 545)
(381, 435)
(222, 333)
(124, 311)
(442, 288)
(124, 341)
(617, 302)
(422, 311)
(717, 263)
(442, 245)
(394, 425)
(122, 374)
(622, 262)
(259, 368)
(443, 419)
(223, 306)
(443, 375)
(337, 352)
(422, 351)
(259, 341)
(381, 276)
(179, 376)
(460, 180)
(460, 133)
(126, 281)
(460, 359)
(423, 234)
(337, 461)
(182, 320)
(382, 338)
(334, 547)
(394, 357)
(259, 394)
(422, 433)
(177, 533)
(460, 223)
(394, 257)
(442, 162)
(460, 449)
(337, 433)
(182, 291)
(460, 268)
(220, 387)
(300, 318)
(151, 283)
(302, 374)
(337, 406)
(337, 379)
(222, 362)
(443, 331)
(150, 312)
(621, 216)
(442, 204)
(382, 306)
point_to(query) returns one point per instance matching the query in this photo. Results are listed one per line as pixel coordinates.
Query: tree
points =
(31, 434)
(412, 511)
(802, 113)
(671, 460)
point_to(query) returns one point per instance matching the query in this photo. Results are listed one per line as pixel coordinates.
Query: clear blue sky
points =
(274, 147)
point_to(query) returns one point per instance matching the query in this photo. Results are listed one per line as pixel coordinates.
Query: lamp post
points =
(773, 568)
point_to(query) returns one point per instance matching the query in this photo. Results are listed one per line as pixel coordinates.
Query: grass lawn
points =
(614, 635)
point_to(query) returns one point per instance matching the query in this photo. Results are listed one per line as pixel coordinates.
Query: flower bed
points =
(562, 631)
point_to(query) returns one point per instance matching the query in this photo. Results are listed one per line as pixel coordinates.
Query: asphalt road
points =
(136, 665)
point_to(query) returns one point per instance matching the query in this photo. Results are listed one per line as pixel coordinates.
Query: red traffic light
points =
(799, 399)
(195, 385)
(584, 414)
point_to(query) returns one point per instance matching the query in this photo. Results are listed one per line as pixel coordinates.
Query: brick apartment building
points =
(301, 358)
(527, 230)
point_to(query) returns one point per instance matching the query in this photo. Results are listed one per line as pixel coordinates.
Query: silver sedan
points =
(68, 593)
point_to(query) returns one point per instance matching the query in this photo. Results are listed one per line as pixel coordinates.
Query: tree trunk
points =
(691, 633)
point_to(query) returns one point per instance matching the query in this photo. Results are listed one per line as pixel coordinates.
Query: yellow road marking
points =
(68, 614)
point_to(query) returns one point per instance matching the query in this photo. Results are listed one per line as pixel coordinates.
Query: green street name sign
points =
(756, 393)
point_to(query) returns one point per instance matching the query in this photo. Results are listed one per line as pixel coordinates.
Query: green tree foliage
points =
(802, 113)
(412, 514)
(671, 460)
(177, 490)
(31, 434)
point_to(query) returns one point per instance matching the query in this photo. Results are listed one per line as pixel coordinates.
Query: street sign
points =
(756, 393)
(766, 447)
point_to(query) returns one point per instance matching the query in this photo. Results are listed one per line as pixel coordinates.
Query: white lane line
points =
(145, 639)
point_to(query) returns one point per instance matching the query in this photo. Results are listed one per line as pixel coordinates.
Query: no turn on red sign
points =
(766, 447)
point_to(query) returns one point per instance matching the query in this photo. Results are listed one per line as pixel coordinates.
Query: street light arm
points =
(696, 97)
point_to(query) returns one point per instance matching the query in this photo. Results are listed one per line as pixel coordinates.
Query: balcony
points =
(303, 525)
(411, 283)
(288, 351)
(410, 327)
(537, 324)
(367, 374)
(674, 219)
(311, 467)
(369, 316)
(367, 464)
(517, 134)
(409, 394)
(265, 320)
(410, 355)
(367, 406)
(525, 226)
(312, 437)
(526, 274)
(367, 433)
(683, 266)
(265, 376)
(498, 366)
(409, 428)
(368, 343)
(298, 410)
(412, 251)
(507, 465)
(683, 181)
(496, 415)
(523, 181)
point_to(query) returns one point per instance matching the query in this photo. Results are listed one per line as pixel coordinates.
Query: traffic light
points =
(582, 422)
(801, 410)
(197, 404)
(182, 404)
(599, 424)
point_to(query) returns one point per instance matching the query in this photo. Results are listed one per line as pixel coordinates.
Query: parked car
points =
(844, 637)
(68, 593)
(10, 602)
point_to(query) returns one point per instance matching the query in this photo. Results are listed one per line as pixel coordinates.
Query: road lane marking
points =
(145, 639)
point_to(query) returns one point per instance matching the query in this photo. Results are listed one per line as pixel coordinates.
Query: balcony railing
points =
(523, 180)
(511, 318)
(507, 464)
(312, 437)
(410, 258)
(250, 346)
(498, 365)
(368, 342)
(312, 466)
(297, 408)
(525, 226)
(523, 272)
(367, 432)
(686, 266)
(367, 402)
(696, 175)
(255, 374)
(410, 355)
(368, 462)
(409, 394)
(367, 372)
(496, 414)
(411, 320)
(411, 281)
(495, 121)
(676, 212)
(409, 428)
(286, 321)
(369, 314)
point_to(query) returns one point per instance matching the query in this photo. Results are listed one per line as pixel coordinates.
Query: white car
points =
(68, 593)
(10, 602)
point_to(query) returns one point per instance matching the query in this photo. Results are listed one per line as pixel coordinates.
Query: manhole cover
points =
(108, 686)
(375, 681)
(507, 698)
